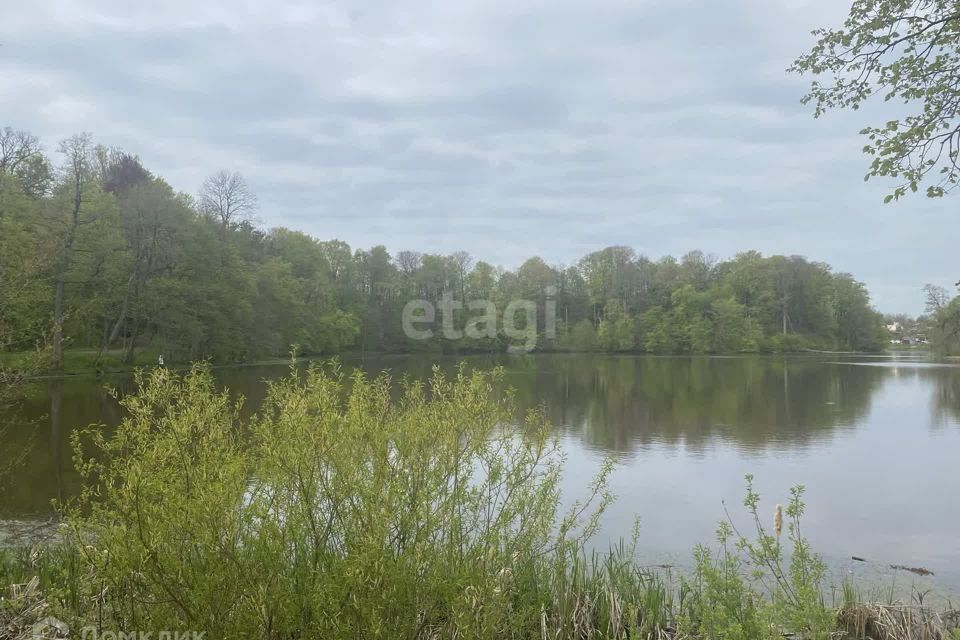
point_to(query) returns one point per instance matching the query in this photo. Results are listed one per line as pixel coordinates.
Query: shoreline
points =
(275, 361)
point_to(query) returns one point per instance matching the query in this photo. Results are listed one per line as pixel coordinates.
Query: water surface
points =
(876, 442)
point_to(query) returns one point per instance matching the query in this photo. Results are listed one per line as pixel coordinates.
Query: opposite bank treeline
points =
(97, 253)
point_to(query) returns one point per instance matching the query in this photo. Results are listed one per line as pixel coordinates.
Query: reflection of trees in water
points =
(943, 381)
(40, 429)
(612, 403)
(11, 424)
(56, 435)
(945, 401)
(620, 403)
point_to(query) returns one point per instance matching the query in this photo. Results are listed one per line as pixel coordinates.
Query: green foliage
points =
(23, 325)
(724, 605)
(747, 589)
(787, 343)
(617, 330)
(903, 50)
(749, 304)
(733, 330)
(655, 331)
(582, 337)
(333, 514)
(796, 587)
(944, 325)
(123, 264)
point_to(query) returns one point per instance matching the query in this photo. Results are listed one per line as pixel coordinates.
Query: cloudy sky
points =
(507, 128)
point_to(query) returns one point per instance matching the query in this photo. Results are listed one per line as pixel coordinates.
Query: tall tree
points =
(77, 178)
(16, 149)
(226, 197)
(461, 263)
(21, 158)
(150, 219)
(119, 170)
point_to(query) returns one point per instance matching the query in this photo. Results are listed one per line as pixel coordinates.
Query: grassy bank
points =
(92, 361)
(338, 512)
(606, 596)
(79, 361)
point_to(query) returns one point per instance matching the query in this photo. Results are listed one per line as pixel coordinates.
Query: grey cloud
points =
(503, 128)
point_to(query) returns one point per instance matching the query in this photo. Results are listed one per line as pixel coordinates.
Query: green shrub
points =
(787, 343)
(332, 514)
(749, 589)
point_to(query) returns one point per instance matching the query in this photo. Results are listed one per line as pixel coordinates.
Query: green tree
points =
(655, 331)
(83, 233)
(581, 337)
(858, 326)
(617, 330)
(732, 329)
(897, 50)
(130, 265)
(689, 328)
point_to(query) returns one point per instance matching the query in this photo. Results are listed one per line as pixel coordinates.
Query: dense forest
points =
(97, 253)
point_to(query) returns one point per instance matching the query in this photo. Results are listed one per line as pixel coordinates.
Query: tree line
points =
(98, 253)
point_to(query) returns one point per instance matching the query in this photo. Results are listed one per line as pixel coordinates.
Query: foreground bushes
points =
(353, 508)
(330, 514)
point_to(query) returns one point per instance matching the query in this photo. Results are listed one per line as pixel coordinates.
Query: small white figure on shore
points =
(160, 360)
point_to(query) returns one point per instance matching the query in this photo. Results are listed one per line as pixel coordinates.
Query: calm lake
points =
(876, 442)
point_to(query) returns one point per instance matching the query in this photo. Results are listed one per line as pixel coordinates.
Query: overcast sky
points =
(507, 128)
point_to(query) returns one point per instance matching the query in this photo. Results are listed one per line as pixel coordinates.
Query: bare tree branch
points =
(226, 197)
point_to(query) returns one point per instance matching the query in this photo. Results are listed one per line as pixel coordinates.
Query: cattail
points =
(778, 521)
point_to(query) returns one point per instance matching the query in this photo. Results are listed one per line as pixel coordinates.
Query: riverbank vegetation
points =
(942, 322)
(883, 48)
(360, 507)
(99, 257)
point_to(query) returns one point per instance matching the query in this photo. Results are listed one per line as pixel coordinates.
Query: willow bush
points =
(338, 511)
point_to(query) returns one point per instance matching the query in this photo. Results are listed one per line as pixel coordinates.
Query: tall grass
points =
(346, 510)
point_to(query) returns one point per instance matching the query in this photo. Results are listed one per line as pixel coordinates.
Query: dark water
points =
(876, 442)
